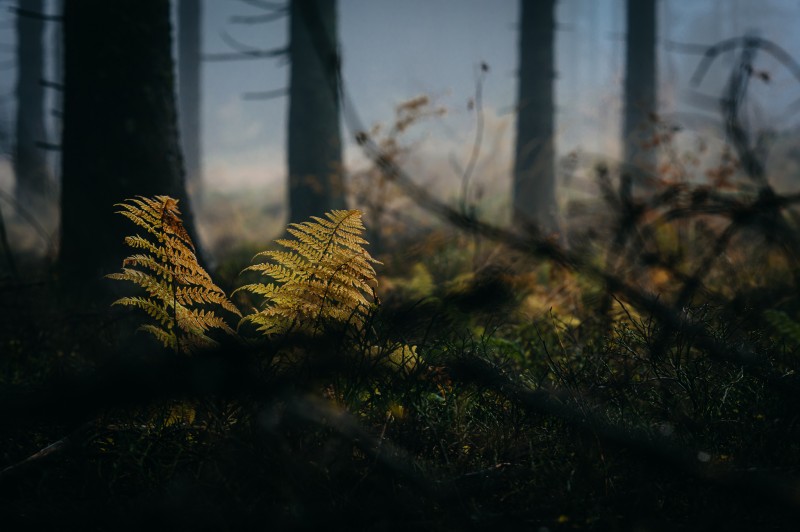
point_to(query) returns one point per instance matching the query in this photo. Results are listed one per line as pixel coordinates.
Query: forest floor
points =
(647, 386)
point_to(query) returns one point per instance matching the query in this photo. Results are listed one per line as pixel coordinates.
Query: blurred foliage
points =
(641, 377)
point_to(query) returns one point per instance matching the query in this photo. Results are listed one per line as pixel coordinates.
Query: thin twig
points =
(476, 145)
(259, 19)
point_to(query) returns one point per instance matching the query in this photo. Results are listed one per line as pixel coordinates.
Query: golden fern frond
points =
(181, 297)
(153, 285)
(167, 338)
(322, 274)
(154, 310)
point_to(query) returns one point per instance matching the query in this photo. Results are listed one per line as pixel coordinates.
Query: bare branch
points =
(477, 104)
(51, 84)
(242, 56)
(749, 41)
(236, 44)
(710, 54)
(265, 95)
(26, 13)
(258, 19)
(48, 146)
(263, 4)
(782, 56)
(243, 51)
(69, 441)
(686, 48)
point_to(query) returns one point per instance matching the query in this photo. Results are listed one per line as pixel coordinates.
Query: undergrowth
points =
(642, 379)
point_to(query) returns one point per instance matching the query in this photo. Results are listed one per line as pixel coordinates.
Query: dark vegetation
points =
(655, 387)
(635, 372)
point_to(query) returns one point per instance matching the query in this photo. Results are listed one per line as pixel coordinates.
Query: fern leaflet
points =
(181, 297)
(322, 274)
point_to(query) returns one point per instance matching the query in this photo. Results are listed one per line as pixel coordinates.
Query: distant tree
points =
(315, 147)
(5, 128)
(30, 160)
(640, 103)
(57, 87)
(120, 136)
(533, 191)
(189, 96)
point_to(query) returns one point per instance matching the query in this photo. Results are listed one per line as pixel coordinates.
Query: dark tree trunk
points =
(640, 89)
(315, 148)
(189, 49)
(30, 161)
(533, 192)
(56, 108)
(120, 127)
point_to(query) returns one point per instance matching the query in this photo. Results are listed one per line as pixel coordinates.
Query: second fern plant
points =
(323, 274)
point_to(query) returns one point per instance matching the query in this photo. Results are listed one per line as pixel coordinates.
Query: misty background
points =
(394, 51)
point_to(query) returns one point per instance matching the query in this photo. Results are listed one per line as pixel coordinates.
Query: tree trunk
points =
(640, 89)
(30, 161)
(189, 49)
(56, 101)
(315, 147)
(534, 201)
(120, 128)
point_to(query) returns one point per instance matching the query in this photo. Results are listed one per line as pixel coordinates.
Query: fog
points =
(395, 51)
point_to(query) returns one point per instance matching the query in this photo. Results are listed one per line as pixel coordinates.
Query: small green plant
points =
(784, 325)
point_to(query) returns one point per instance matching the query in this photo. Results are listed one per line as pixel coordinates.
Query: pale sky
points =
(395, 50)
(392, 51)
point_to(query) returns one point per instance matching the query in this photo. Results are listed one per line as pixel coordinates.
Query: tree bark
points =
(30, 161)
(189, 50)
(120, 136)
(640, 89)
(315, 148)
(533, 191)
(57, 101)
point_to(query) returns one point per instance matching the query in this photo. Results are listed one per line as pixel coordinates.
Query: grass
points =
(645, 379)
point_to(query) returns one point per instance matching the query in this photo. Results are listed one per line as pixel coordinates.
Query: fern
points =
(181, 296)
(323, 274)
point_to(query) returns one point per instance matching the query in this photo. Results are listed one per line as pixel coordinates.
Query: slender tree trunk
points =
(57, 101)
(5, 127)
(120, 128)
(30, 161)
(640, 89)
(534, 200)
(315, 148)
(189, 50)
